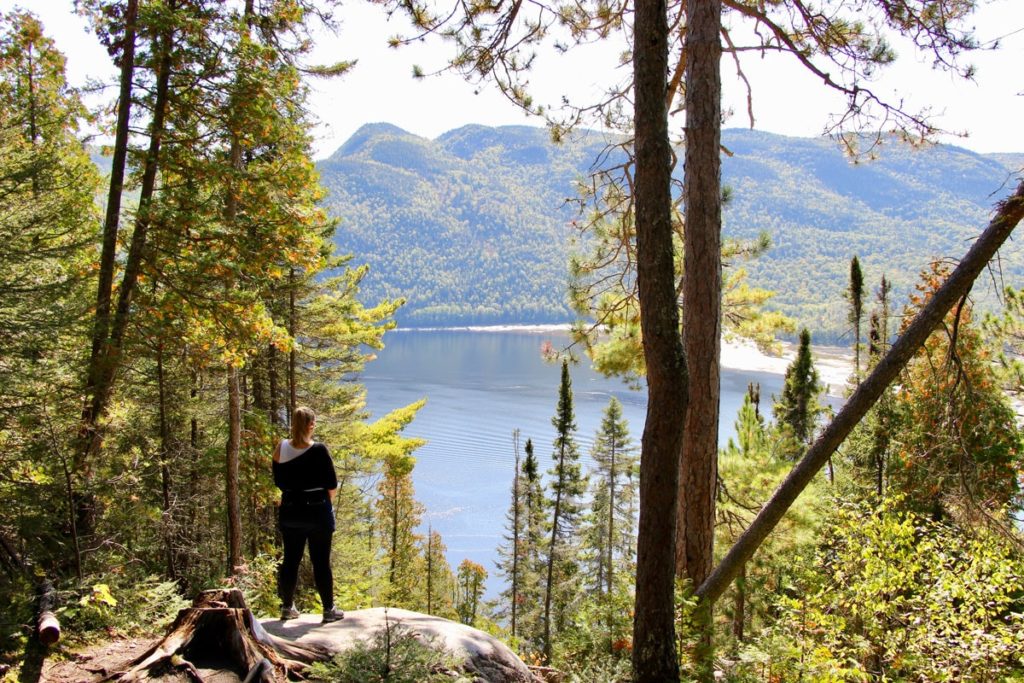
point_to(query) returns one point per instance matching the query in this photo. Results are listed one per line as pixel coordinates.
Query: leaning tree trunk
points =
(219, 625)
(1010, 212)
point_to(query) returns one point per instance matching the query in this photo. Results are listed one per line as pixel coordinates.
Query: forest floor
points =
(93, 663)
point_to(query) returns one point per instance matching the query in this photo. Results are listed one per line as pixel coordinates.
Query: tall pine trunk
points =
(549, 581)
(234, 515)
(292, 360)
(233, 449)
(165, 466)
(516, 532)
(702, 308)
(654, 643)
(108, 252)
(105, 363)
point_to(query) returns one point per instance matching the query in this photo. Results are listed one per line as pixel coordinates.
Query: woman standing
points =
(304, 472)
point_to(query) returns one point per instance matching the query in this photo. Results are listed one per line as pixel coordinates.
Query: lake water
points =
(480, 386)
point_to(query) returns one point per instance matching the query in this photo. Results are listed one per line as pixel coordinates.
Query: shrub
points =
(394, 654)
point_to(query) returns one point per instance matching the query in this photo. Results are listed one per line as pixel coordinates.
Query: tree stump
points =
(220, 627)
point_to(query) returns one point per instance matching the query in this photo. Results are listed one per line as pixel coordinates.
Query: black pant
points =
(301, 521)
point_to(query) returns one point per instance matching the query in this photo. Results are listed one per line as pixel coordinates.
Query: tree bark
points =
(234, 444)
(739, 609)
(654, 645)
(112, 218)
(272, 405)
(234, 520)
(1009, 213)
(293, 390)
(104, 365)
(516, 532)
(552, 549)
(702, 309)
(165, 466)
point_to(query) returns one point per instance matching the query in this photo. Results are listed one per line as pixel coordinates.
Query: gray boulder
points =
(485, 658)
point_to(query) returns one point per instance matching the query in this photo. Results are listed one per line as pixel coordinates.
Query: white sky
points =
(787, 99)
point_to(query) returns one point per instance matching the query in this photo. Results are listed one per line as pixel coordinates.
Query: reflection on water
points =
(480, 386)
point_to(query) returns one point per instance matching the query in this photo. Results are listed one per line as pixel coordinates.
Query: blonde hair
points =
(302, 418)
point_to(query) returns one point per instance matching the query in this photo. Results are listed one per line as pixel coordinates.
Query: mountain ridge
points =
(475, 226)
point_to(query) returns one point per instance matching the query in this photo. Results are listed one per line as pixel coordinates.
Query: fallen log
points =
(219, 626)
(47, 624)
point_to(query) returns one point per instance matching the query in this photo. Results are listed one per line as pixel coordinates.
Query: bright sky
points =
(787, 100)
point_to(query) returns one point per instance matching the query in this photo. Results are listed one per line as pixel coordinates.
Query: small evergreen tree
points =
(567, 485)
(797, 409)
(530, 613)
(471, 579)
(855, 297)
(512, 563)
(440, 580)
(610, 529)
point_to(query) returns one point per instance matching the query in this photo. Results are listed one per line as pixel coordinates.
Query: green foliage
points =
(604, 293)
(750, 468)
(111, 603)
(608, 535)
(470, 591)
(236, 270)
(566, 485)
(958, 444)
(440, 582)
(1007, 330)
(398, 516)
(798, 409)
(894, 595)
(394, 654)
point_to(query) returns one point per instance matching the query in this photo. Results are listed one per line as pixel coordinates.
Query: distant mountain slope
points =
(474, 227)
(470, 228)
(1014, 161)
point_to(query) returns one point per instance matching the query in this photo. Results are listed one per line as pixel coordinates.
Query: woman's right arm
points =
(277, 452)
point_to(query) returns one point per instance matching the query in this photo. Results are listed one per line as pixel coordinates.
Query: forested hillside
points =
(474, 227)
(471, 227)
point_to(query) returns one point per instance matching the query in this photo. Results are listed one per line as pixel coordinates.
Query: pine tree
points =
(440, 580)
(536, 523)
(855, 297)
(471, 577)
(610, 531)
(878, 342)
(567, 485)
(960, 449)
(398, 516)
(751, 466)
(47, 233)
(797, 409)
(512, 562)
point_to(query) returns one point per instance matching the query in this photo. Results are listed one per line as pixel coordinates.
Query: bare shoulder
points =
(277, 452)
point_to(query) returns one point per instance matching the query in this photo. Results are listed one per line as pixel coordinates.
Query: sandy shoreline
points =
(834, 363)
